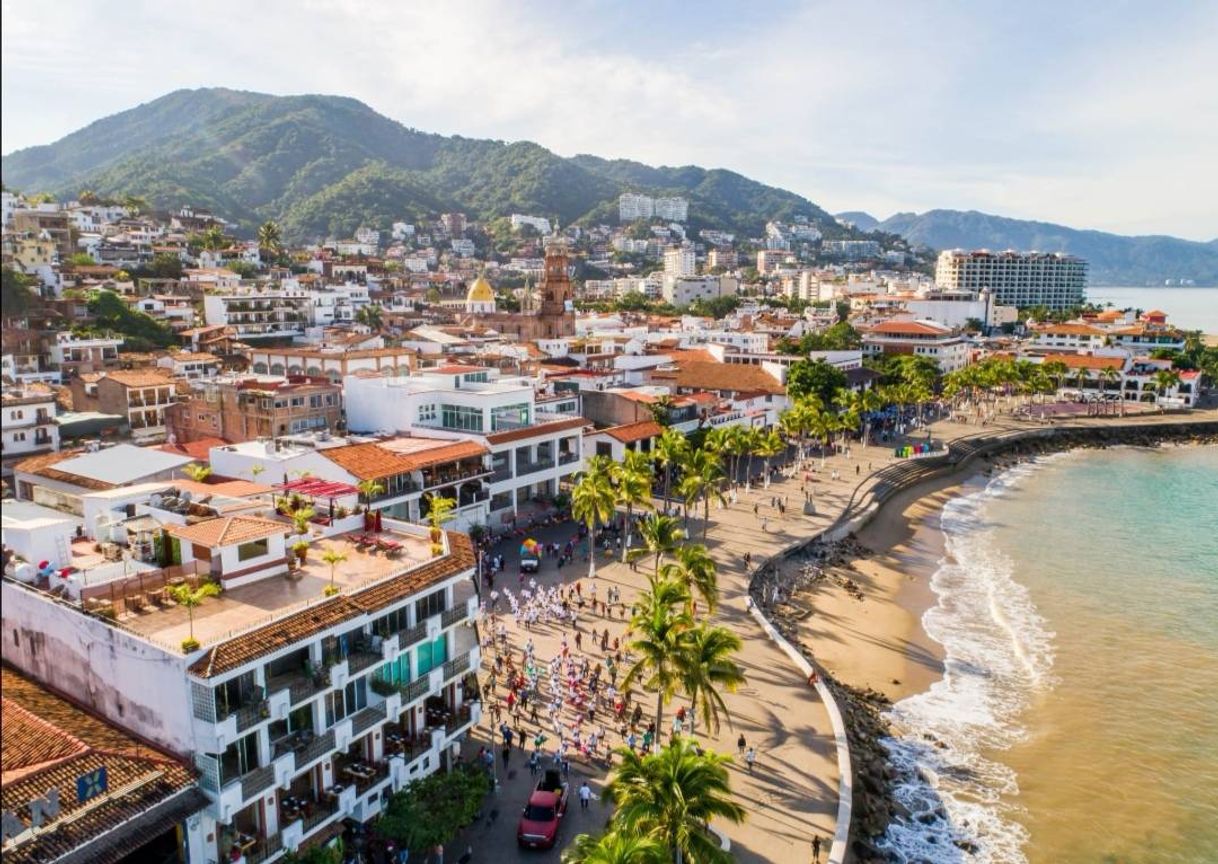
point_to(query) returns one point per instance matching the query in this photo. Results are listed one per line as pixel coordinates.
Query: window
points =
(603, 448)
(315, 401)
(431, 655)
(330, 399)
(18, 414)
(510, 417)
(297, 402)
(427, 412)
(345, 702)
(253, 549)
(432, 604)
(461, 417)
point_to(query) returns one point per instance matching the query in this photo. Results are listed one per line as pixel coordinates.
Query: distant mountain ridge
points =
(1114, 259)
(325, 165)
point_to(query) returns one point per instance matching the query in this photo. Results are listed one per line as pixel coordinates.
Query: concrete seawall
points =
(872, 493)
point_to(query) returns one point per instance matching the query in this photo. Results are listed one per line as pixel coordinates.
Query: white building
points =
(683, 290)
(532, 451)
(850, 249)
(28, 422)
(945, 345)
(260, 314)
(295, 707)
(679, 261)
(631, 207)
(540, 224)
(957, 308)
(1056, 280)
(674, 209)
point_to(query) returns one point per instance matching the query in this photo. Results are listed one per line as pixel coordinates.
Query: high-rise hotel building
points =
(1054, 280)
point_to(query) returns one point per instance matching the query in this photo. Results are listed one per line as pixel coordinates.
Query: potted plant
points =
(301, 548)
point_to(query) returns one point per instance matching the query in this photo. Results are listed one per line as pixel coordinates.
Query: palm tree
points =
(695, 569)
(1165, 379)
(1057, 370)
(300, 518)
(706, 668)
(269, 238)
(593, 502)
(371, 316)
(213, 238)
(439, 510)
(196, 472)
(671, 448)
(702, 475)
(671, 796)
(189, 597)
(632, 479)
(718, 442)
(661, 409)
(655, 639)
(660, 535)
(332, 557)
(369, 489)
(615, 847)
(822, 425)
(768, 445)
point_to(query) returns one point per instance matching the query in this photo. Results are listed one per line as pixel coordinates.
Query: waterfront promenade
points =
(792, 792)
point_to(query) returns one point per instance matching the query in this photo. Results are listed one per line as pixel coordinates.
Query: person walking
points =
(750, 757)
(740, 745)
(585, 795)
(816, 849)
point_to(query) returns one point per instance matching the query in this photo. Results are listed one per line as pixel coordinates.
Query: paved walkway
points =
(792, 792)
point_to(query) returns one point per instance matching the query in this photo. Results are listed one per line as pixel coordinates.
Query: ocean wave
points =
(998, 653)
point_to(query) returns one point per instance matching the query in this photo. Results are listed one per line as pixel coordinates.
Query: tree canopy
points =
(816, 378)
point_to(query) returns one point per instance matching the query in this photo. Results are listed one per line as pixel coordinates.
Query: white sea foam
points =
(998, 652)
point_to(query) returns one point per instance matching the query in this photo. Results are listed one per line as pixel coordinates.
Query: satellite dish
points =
(186, 497)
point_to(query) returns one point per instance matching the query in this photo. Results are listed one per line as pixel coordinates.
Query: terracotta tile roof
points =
(632, 432)
(330, 613)
(200, 450)
(228, 487)
(1088, 361)
(48, 743)
(540, 429)
(722, 376)
(1072, 330)
(376, 461)
(228, 530)
(904, 328)
(140, 378)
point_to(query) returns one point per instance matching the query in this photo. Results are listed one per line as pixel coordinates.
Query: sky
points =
(1092, 114)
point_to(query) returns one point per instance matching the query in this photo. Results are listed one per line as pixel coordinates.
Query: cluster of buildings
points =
(288, 448)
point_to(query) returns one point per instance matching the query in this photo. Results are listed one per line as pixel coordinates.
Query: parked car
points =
(542, 816)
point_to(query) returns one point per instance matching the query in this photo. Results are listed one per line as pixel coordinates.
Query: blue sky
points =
(1096, 115)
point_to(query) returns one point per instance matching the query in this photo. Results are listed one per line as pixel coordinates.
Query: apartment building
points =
(850, 249)
(540, 224)
(673, 209)
(260, 314)
(683, 290)
(74, 355)
(28, 425)
(533, 452)
(1069, 337)
(141, 396)
(631, 207)
(190, 365)
(244, 408)
(55, 224)
(946, 346)
(298, 711)
(679, 261)
(1053, 280)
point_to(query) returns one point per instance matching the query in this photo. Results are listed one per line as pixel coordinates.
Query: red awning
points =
(317, 488)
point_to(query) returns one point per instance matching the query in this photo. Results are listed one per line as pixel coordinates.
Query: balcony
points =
(256, 781)
(359, 660)
(454, 615)
(568, 458)
(502, 473)
(413, 636)
(320, 746)
(363, 720)
(456, 666)
(523, 467)
(416, 690)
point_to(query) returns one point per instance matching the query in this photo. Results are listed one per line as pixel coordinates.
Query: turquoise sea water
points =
(1078, 718)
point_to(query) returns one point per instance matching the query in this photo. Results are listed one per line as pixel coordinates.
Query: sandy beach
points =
(876, 641)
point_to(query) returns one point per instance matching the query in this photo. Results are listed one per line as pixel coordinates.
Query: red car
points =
(538, 826)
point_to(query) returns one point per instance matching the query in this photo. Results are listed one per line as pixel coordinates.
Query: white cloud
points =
(1107, 117)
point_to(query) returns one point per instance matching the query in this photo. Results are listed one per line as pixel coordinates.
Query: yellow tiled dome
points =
(480, 291)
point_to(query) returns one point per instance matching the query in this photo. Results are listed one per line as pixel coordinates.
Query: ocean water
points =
(1190, 308)
(1077, 720)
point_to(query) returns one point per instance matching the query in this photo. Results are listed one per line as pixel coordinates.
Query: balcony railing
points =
(454, 615)
(358, 661)
(413, 636)
(523, 467)
(504, 473)
(568, 458)
(416, 690)
(362, 721)
(456, 666)
(319, 747)
(265, 848)
(258, 780)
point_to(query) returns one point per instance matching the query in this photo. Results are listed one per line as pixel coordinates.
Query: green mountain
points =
(324, 165)
(1114, 259)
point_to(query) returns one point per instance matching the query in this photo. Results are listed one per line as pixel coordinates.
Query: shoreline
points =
(854, 606)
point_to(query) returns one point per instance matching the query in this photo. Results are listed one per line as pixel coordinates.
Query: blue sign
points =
(90, 785)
